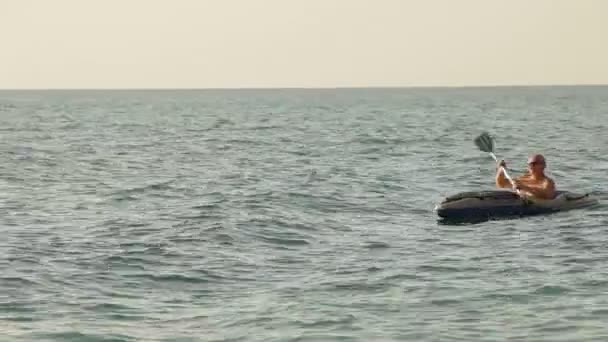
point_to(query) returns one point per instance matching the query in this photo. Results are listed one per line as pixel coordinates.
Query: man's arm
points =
(501, 179)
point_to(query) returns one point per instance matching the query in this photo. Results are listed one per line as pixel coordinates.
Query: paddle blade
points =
(485, 143)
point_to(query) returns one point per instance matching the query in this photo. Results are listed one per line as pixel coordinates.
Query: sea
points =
(296, 215)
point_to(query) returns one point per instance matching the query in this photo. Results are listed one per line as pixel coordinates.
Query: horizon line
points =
(548, 85)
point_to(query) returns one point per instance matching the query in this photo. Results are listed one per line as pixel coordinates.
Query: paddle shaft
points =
(486, 144)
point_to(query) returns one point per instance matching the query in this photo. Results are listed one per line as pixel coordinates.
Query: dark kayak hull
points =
(502, 204)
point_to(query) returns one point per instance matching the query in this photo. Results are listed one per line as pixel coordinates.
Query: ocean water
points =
(295, 215)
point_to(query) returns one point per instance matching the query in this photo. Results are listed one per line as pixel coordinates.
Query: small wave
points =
(277, 228)
(580, 260)
(155, 186)
(446, 269)
(81, 337)
(117, 261)
(401, 276)
(446, 301)
(369, 140)
(201, 216)
(334, 336)
(209, 206)
(551, 290)
(16, 281)
(131, 193)
(71, 126)
(107, 307)
(364, 287)
(16, 307)
(219, 123)
(22, 319)
(126, 317)
(249, 142)
(5, 107)
(263, 128)
(599, 312)
(223, 238)
(515, 297)
(120, 197)
(346, 320)
(109, 227)
(595, 283)
(171, 278)
(284, 241)
(376, 245)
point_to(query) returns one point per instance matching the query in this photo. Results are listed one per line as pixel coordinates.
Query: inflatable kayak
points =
(501, 203)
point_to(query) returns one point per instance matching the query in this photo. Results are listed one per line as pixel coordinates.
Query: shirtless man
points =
(534, 183)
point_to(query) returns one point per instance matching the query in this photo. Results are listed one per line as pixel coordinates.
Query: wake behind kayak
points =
(492, 204)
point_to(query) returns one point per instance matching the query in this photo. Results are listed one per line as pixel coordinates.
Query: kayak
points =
(503, 203)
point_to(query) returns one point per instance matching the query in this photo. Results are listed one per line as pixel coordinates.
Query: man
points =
(534, 183)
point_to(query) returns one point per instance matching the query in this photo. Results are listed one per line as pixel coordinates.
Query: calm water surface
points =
(295, 215)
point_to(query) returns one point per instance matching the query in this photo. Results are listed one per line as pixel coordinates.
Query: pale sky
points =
(301, 43)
